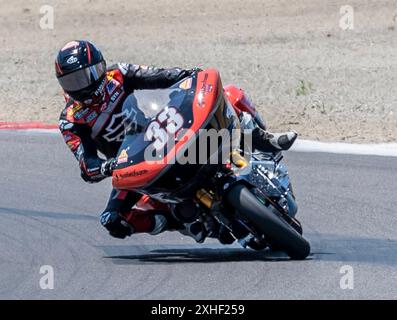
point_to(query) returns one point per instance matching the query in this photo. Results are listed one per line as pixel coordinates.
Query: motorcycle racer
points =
(92, 123)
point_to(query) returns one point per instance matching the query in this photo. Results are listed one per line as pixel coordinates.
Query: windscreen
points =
(151, 115)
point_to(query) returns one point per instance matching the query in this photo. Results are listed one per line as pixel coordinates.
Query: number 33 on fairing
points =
(167, 124)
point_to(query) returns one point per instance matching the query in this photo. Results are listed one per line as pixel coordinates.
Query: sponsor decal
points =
(123, 68)
(131, 174)
(110, 75)
(104, 107)
(76, 107)
(91, 116)
(80, 114)
(115, 95)
(71, 60)
(123, 157)
(93, 170)
(100, 88)
(73, 144)
(205, 88)
(115, 131)
(111, 86)
(65, 125)
(187, 84)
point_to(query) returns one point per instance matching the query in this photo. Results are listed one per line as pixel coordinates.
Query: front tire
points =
(278, 231)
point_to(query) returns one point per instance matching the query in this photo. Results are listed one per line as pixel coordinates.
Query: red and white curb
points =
(381, 149)
(27, 125)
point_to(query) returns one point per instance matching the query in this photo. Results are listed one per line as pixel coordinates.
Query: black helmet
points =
(80, 69)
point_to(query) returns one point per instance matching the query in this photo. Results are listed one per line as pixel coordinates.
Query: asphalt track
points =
(49, 216)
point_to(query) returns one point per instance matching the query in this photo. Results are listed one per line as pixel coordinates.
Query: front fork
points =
(212, 200)
(240, 229)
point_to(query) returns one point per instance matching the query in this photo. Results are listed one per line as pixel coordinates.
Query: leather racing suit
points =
(92, 129)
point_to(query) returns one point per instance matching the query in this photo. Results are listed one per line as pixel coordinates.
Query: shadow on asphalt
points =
(349, 249)
(327, 247)
(201, 255)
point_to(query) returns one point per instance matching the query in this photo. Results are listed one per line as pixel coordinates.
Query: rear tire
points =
(278, 231)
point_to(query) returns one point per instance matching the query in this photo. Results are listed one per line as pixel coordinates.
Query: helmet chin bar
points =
(98, 96)
(101, 88)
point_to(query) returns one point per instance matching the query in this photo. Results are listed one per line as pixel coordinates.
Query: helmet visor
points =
(82, 78)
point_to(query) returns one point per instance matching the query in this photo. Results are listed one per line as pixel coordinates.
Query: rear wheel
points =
(279, 232)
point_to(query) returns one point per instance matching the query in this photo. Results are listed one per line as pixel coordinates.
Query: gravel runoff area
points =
(294, 58)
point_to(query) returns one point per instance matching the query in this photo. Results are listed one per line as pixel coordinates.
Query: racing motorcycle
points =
(246, 193)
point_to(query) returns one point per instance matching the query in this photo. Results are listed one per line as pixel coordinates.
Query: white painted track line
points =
(381, 149)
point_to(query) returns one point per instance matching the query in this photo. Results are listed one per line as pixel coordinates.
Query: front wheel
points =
(279, 232)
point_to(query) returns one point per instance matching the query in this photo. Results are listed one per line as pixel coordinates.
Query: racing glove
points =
(116, 224)
(95, 170)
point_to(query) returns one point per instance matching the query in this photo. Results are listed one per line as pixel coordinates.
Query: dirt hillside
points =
(293, 58)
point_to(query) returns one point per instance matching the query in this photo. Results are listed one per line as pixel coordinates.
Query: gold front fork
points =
(238, 160)
(205, 198)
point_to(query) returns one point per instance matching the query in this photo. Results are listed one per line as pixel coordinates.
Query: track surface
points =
(49, 217)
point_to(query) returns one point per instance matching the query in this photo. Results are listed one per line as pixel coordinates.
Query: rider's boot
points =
(272, 142)
(150, 221)
(264, 140)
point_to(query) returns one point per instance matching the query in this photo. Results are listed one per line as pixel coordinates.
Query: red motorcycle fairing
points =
(239, 100)
(140, 216)
(201, 93)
